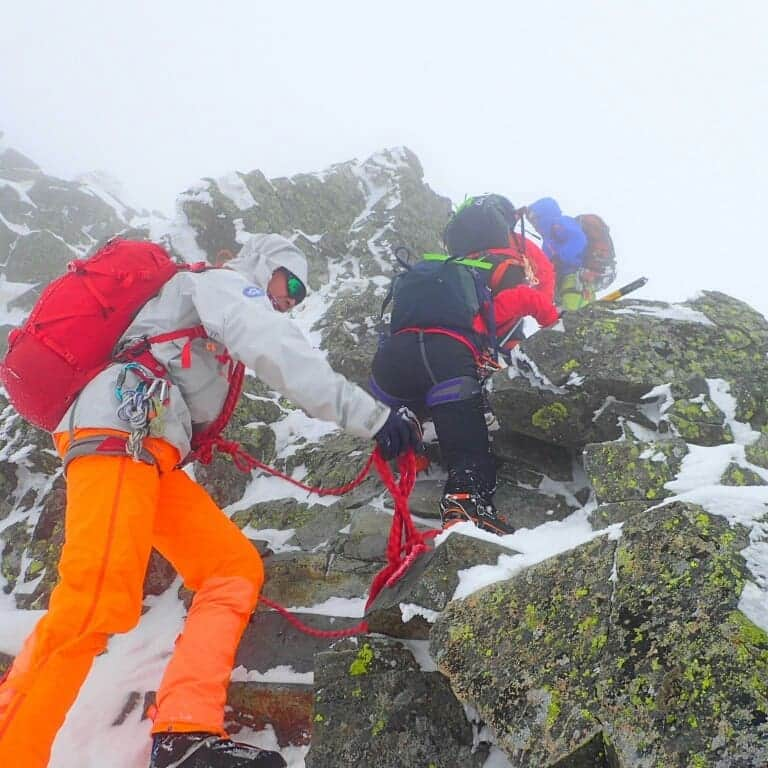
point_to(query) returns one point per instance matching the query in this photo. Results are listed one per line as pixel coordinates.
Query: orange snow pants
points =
(117, 510)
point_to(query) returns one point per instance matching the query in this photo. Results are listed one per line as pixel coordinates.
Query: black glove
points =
(400, 432)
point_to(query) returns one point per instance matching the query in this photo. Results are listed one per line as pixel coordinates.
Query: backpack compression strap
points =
(467, 262)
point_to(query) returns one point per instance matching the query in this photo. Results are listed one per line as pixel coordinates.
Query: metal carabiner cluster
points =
(142, 406)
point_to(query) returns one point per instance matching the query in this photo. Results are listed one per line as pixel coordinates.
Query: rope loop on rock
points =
(404, 546)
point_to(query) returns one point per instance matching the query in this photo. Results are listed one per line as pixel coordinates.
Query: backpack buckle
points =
(134, 347)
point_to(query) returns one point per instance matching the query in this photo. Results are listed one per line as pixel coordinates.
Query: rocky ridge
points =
(632, 431)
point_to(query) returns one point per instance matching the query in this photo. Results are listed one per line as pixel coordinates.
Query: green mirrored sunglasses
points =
(296, 289)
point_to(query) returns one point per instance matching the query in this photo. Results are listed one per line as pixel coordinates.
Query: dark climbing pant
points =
(436, 375)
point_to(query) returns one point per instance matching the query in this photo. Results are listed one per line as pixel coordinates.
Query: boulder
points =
(408, 608)
(638, 644)
(629, 470)
(577, 382)
(374, 706)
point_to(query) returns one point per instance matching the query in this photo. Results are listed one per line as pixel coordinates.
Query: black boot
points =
(206, 750)
(458, 507)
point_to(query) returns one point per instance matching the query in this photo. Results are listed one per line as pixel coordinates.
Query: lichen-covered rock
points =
(737, 475)
(49, 221)
(526, 652)
(353, 211)
(374, 707)
(44, 549)
(8, 484)
(617, 512)
(628, 470)
(336, 461)
(429, 584)
(221, 478)
(641, 640)
(698, 420)
(757, 452)
(16, 537)
(682, 678)
(349, 332)
(574, 384)
(278, 514)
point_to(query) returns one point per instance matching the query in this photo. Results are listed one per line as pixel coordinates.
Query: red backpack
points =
(599, 255)
(73, 330)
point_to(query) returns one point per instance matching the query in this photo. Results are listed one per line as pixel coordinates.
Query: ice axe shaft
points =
(624, 290)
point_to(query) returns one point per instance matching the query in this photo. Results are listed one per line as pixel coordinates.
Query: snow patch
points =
(342, 607)
(281, 674)
(409, 610)
(232, 186)
(676, 312)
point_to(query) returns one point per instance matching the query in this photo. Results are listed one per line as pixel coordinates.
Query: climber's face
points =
(277, 290)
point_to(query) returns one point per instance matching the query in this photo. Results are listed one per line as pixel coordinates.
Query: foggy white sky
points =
(653, 114)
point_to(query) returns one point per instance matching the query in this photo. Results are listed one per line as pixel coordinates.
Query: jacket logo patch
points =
(253, 291)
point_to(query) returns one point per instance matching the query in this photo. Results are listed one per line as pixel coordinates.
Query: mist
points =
(653, 115)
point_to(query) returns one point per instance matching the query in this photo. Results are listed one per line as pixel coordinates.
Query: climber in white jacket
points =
(243, 317)
(119, 507)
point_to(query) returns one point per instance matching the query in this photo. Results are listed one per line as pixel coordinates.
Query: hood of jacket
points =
(263, 254)
(545, 213)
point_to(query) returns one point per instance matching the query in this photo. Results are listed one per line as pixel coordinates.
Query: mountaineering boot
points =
(460, 507)
(206, 750)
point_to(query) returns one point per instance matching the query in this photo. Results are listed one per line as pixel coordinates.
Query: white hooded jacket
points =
(233, 307)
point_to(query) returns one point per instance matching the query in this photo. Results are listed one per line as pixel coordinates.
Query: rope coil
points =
(405, 544)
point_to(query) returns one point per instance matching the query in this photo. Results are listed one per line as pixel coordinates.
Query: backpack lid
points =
(478, 224)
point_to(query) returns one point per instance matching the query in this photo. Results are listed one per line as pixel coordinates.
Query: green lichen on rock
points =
(316, 526)
(757, 452)
(570, 365)
(335, 461)
(348, 332)
(546, 629)
(738, 476)
(8, 485)
(680, 671)
(362, 663)
(16, 537)
(638, 645)
(628, 470)
(391, 715)
(617, 512)
(698, 420)
(625, 350)
(549, 416)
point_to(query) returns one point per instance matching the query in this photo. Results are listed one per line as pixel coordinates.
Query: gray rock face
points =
(373, 706)
(641, 641)
(430, 585)
(50, 221)
(577, 385)
(631, 470)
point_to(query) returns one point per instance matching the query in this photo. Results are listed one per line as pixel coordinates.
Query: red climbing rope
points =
(405, 544)
(245, 463)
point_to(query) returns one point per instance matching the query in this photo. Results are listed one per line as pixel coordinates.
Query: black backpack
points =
(438, 292)
(480, 223)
